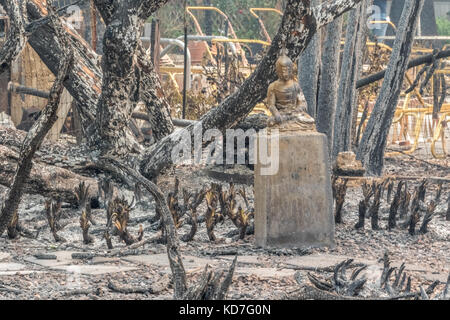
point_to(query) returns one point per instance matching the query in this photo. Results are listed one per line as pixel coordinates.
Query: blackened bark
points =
(309, 70)
(428, 217)
(116, 102)
(298, 25)
(46, 180)
(427, 19)
(16, 38)
(347, 94)
(84, 78)
(127, 77)
(327, 95)
(392, 222)
(373, 211)
(39, 130)
(373, 143)
(362, 208)
(152, 95)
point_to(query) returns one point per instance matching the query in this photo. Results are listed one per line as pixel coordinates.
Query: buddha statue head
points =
(284, 66)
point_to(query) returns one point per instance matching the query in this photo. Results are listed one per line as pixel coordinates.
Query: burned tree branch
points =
(39, 130)
(16, 38)
(46, 180)
(412, 64)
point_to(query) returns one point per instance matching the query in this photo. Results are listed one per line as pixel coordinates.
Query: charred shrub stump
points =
(390, 187)
(84, 202)
(373, 211)
(13, 227)
(437, 198)
(53, 212)
(404, 202)
(192, 202)
(392, 222)
(119, 216)
(340, 192)
(210, 286)
(175, 208)
(108, 240)
(228, 203)
(428, 217)
(364, 204)
(212, 216)
(85, 225)
(340, 284)
(422, 190)
(362, 208)
(244, 215)
(413, 220)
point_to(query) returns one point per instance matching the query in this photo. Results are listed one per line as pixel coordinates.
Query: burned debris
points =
(393, 284)
(98, 144)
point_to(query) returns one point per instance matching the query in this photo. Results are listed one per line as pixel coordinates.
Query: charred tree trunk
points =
(38, 132)
(427, 19)
(373, 143)
(127, 77)
(327, 95)
(347, 94)
(341, 190)
(116, 102)
(309, 70)
(85, 78)
(46, 180)
(152, 95)
(16, 38)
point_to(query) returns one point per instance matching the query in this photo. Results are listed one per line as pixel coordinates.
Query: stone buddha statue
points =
(285, 100)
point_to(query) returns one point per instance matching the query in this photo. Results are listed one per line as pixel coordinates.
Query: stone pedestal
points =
(294, 206)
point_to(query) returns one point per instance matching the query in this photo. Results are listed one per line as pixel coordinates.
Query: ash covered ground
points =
(44, 269)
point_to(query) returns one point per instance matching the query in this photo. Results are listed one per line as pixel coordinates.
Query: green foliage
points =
(443, 27)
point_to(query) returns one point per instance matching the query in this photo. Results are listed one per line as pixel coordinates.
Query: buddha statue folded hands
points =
(284, 100)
